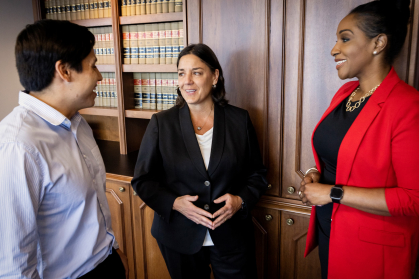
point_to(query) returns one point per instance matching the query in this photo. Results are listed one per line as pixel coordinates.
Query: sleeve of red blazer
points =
(146, 181)
(403, 200)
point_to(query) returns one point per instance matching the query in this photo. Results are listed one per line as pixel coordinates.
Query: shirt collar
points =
(46, 112)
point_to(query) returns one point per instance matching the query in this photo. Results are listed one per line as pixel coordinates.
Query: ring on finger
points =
(299, 193)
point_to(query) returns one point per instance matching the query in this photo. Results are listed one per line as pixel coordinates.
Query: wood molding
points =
(265, 147)
(118, 178)
(264, 248)
(37, 10)
(103, 111)
(120, 223)
(284, 205)
(94, 22)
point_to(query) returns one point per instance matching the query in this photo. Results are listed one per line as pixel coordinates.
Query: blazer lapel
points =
(356, 132)
(189, 138)
(218, 138)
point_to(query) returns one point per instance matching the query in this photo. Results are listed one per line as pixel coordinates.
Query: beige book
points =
(175, 87)
(170, 93)
(181, 35)
(143, 6)
(47, 9)
(105, 83)
(149, 59)
(124, 8)
(96, 9)
(153, 7)
(67, 10)
(145, 88)
(73, 9)
(141, 44)
(125, 44)
(91, 8)
(107, 45)
(159, 7)
(108, 5)
(152, 86)
(171, 6)
(82, 10)
(86, 9)
(165, 6)
(102, 45)
(178, 6)
(169, 49)
(53, 9)
(129, 5)
(164, 90)
(148, 7)
(133, 43)
(138, 7)
(59, 11)
(156, 47)
(133, 7)
(111, 43)
(162, 43)
(105, 9)
(137, 91)
(78, 16)
(175, 41)
(101, 8)
(159, 96)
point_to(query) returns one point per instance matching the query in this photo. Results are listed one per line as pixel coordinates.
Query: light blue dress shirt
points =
(54, 216)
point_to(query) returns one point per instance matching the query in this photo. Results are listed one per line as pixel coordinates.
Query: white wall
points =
(14, 15)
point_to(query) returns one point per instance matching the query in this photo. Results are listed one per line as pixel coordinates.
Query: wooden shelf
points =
(106, 68)
(151, 18)
(102, 111)
(93, 22)
(140, 113)
(151, 68)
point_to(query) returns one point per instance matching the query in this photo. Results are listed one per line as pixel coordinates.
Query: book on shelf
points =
(178, 6)
(133, 42)
(126, 44)
(171, 6)
(77, 9)
(156, 47)
(159, 97)
(141, 44)
(169, 48)
(146, 7)
(175, 41)
(162, 43)
(106, 95)
(181, 35)
(152, 89)
(138, 101)
(104, 45)
(165, 6)
(145, 79)
(149, 44)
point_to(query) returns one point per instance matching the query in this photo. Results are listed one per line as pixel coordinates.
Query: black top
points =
(326, 141)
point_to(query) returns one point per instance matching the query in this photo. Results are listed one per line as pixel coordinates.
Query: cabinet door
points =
(266, 226)
(293, 241)
(118, 196)
(148, 259)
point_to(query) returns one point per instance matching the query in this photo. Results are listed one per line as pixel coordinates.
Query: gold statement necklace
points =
(357, 104)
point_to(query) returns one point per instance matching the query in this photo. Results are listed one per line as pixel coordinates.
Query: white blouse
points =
(205, 143)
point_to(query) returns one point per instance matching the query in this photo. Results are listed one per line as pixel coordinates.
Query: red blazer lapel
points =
(356, 132)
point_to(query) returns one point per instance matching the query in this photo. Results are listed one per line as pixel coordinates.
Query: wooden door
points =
(118, 193)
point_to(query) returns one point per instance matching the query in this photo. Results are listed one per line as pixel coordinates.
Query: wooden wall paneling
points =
(149, 261)
(194, 21)
(128, 88)
(38, 10)
(118, 189)
(185, 22)
(414, 26)
(104, 127)
(277, 62)
(293, 240)
(266, 224)
(118, 75)
(135, 129)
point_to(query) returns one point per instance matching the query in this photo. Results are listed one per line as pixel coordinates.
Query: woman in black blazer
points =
(200, 169)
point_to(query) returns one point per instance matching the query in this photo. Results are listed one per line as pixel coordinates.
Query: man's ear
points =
(63, 70)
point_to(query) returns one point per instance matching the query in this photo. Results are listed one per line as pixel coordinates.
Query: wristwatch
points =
(336, 193)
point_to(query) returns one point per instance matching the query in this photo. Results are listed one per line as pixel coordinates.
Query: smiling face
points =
(353, 50)
(195, 80)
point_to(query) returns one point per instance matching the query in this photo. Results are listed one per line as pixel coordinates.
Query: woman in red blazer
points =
(364, 192)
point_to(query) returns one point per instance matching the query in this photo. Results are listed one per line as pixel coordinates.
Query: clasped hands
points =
(313, 193)
(184, 205)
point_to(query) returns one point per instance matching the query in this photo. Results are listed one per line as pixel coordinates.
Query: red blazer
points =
(381, 149)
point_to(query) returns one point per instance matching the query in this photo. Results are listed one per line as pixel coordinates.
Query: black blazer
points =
(170, 165)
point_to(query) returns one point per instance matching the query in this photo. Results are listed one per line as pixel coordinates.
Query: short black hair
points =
(40, 45)
(205, 53)
(389, 17)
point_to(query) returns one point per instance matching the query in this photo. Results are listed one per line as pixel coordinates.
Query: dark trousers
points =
(111, 267)
(238, 265)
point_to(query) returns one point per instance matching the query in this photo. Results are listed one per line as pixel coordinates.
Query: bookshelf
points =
(131, 122)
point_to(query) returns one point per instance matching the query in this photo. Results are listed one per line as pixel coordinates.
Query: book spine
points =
(100, 91)
(111, 45)
(82, 11)
(124, 8)
(159, 96)
(162, 43)
(169, 49)
(181, 35)
(178, 6)
(102, 50)
(148, 7)
(86, 9)
(133, 7)
(129, 5)
(138, 7)
(108, 31)
(53, 9)
(156, 47)
(78, 10)
(133, 41)
(171, 6)
(159, 7)
(143, 7)
(149, 44)
(141, 44)
(114, 91)
(170, 93)
(164, 90)
(145, 79)
(106, 9)
(164, 6)
(67, 10)
(175, 87)
(91, 9)
(101, 9)
(152, 86)
(125, 44)
(96, 9)
(175, 41)
(112, 95)
(137, 91)
(153, 7)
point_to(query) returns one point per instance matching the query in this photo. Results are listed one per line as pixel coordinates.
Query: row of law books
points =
(104, 46)
(155, 90)
(157, 43)
(106, 95)
(145, 7)
(77, 9)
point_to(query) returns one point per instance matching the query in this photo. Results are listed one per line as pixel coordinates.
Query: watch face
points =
(336, 193)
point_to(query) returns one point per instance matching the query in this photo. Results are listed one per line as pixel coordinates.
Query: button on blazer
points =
(170, 165)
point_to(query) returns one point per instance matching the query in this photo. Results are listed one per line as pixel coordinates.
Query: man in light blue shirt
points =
(54, 216)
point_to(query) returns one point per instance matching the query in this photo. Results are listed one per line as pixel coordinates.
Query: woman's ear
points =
(63, 70)
(381, 42)
(216, 75)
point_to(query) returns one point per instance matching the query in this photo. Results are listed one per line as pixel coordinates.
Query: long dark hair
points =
(388, 17)
(207, 56)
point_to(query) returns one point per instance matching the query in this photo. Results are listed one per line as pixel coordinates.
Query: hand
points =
(124, 260)
(315, 193)
(311, 177)
(185, 206)
(233, 204)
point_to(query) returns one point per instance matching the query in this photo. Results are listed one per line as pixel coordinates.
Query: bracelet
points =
(310, 169)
